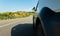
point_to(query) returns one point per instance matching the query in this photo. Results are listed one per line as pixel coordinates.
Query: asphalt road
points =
(17, 21)
(17, 27)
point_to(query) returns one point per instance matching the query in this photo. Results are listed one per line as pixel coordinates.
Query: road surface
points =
(8, 27)
(18, 21)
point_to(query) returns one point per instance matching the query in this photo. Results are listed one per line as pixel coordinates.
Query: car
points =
(46, 21)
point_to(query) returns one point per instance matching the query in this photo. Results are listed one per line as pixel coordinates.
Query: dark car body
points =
(46, 20)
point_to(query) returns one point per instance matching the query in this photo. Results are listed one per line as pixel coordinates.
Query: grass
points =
(13, 15)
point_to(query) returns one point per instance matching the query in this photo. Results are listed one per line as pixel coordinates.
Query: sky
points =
(17, 5)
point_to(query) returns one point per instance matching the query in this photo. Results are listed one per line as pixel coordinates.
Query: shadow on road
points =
(23, 30)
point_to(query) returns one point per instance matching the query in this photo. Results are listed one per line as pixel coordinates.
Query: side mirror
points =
(33, 8)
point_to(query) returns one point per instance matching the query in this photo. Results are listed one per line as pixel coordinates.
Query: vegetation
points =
(13, 15)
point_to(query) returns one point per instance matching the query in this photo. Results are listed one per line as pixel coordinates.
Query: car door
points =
(49, 12)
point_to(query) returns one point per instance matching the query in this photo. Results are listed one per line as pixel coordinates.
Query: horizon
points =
(17, 5)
